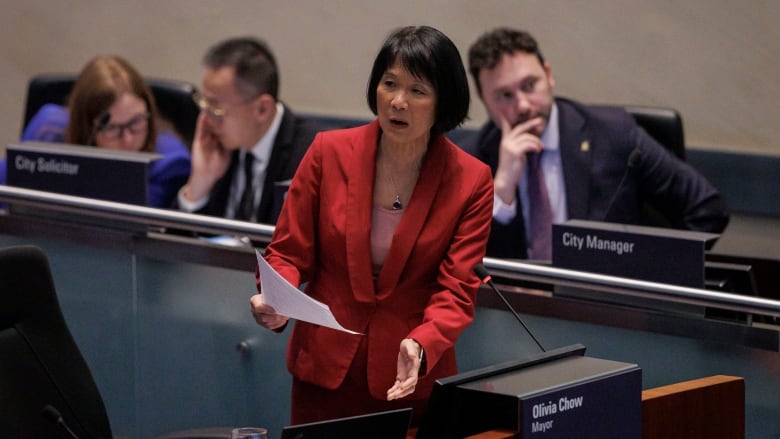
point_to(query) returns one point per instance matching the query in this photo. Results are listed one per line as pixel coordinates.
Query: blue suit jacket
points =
(595, 145)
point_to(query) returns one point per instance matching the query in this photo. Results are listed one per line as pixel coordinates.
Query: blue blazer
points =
(595, 145)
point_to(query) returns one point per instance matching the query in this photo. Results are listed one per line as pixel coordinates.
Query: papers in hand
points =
(289, 301)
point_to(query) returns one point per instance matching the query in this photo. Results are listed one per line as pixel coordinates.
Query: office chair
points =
(662, 124)
(665, 126)
(41, 364)
(173, 99)
(43, 375)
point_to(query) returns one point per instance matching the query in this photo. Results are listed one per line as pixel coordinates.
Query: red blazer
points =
(426, 289)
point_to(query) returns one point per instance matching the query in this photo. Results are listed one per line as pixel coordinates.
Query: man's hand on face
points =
(516, 142)
(210, 160)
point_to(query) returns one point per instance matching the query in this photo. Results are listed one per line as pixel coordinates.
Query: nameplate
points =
(567, 398)
(646, 253)
(83, 171)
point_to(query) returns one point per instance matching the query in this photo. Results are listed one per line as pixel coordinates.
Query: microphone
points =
(54, 416)
(485, 277)
(633, 160)
(100, 123)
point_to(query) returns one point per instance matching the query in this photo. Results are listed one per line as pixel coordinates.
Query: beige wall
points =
(716, 61)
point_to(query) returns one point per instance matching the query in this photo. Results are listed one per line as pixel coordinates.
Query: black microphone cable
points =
(54, 415)
(633, 160)
(485, 277)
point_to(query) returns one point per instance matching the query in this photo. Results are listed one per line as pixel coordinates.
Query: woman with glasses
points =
(112, 107)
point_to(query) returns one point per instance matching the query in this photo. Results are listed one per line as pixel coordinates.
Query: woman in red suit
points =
(384, 223)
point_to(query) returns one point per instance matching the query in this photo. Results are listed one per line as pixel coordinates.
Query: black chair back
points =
(665, 126)
(173, 99)
(41, 364)
(662, 124)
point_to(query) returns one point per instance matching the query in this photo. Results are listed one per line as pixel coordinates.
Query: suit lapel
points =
(413, 220)
(360, 190)
(576, 159)
(280, 155)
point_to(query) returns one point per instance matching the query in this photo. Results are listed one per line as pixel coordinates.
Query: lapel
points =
(576, 155)
(360, 190)
(277, 163)
(413, 220)
(280, 151)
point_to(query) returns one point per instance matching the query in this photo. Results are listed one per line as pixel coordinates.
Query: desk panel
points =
(158, 318)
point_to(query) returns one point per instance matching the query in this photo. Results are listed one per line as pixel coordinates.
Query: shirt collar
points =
(551, 135)
(262, 149)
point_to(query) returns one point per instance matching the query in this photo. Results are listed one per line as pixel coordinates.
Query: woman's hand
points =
(406, 377)
(265, 315)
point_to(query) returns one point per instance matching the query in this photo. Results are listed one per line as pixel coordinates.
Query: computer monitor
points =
(84, 171)
(393, 424)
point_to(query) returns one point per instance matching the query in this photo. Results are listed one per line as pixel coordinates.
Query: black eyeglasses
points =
(136, 125)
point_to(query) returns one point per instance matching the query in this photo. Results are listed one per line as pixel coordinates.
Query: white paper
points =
(289, 301)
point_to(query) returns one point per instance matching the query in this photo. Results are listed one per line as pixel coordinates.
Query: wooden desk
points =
(711, 407)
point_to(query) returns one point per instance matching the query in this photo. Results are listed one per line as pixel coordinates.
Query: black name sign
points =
(82, 171)
(647, 253)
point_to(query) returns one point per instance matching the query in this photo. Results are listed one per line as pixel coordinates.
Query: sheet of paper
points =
(289, 301)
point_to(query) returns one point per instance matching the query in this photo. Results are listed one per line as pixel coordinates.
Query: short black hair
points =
(489, 48)
(427, 54)
(253, 62)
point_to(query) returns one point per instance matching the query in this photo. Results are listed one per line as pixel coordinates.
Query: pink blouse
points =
(383, 224)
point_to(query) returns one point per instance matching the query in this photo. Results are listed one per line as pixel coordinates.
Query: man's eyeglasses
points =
(136, 125)
(204, 105)
(213, 110)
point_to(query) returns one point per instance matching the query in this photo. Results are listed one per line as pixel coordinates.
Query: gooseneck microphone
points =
(485, 277)
(633, 160)
(100, 123)
(54, 415)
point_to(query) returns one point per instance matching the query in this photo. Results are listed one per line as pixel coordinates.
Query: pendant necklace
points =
(397, 205)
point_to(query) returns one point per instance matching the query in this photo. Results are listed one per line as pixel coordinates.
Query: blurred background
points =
(715, 61)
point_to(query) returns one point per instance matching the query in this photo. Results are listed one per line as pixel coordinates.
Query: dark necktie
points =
(539, 209)
(247, 203)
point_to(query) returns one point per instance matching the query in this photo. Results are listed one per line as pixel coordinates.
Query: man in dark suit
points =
(247, 143)
(555, 159)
